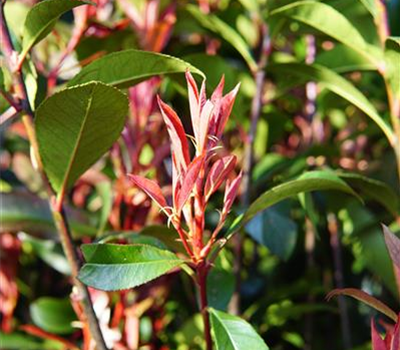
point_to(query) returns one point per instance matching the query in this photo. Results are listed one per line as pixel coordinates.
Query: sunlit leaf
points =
(129, 265)
(42, 18)
(233, 333)
(75, 127)
(129, 67)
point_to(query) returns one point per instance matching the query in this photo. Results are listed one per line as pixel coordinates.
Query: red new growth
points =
(195, 180)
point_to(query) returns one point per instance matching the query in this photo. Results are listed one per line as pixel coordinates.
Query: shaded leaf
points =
(338, 85)
(374, 189)
(392, 70)
(42, 18)
(366, 299)
(275, 230)
(129, 265)
(75, 127)
(233, 333)
(130, 67)
(220, 288)
(53, 315)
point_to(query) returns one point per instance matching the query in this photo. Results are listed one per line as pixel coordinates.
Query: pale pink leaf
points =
(231, 191)
(218, 173)
(366, 299)
(151, 188)
(395, 345)
(177, 134)
(189, 181)
(206, 114)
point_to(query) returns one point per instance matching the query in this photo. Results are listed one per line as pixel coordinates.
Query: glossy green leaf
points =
(41, 19)
(373, 189)
(327, 20)
(274, 229)
(310, 181)
(129, 265)
(129, 67)
(53, 315)
(75, 127)
(216, 25)
(233, 333)
(338, 85)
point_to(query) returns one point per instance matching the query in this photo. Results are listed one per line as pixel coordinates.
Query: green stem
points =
(57, 208)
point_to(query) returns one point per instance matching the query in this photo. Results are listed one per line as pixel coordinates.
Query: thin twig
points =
(57, 210)
(259, 76)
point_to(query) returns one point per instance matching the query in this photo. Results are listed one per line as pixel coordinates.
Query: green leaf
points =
(129, 265)
(127, 68)
(337, 84)
(373, 189)
(53, 315)
(75, 127)
(342, 59)
(41, 19)
(392, 70)
(220, 287)
(105, 192)
(23, 341)
(23, 211)
(328, 21)
(214, 24)
(310, 181)
(274, 229)
(233, 333)
(49, 251)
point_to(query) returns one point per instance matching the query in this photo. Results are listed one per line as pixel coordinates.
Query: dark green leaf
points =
(130, 67)
(220, 287)
(129, 265)
(233, 333)
(53, 315)
(373, 189)
(337, 84)
(75, 127)
(42, 18)
(275, 230)
(216, 25)
(23, 211)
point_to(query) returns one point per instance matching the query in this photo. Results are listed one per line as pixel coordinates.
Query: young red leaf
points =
(393, 245)
(151, 188)
(188, 182)
(218, 174)
(225, 110)
(216, 99)
(177, 134)
(395, 345)
(231, 190)
(377, 342)
(366, 299)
